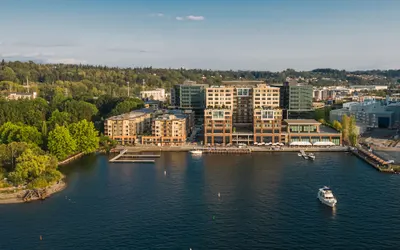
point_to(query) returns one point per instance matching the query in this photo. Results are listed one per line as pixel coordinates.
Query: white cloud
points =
(190, 18)
(157, 14)
(195, 18)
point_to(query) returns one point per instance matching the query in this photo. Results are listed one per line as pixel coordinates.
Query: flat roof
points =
(301, 121)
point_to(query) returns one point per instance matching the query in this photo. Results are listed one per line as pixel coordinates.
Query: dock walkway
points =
(134, 158)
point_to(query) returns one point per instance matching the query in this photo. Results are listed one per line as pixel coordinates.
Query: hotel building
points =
(240, 113)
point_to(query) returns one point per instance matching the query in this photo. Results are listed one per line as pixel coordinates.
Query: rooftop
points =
(301, 121)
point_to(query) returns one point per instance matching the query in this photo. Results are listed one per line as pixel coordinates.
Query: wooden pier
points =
(134, 158)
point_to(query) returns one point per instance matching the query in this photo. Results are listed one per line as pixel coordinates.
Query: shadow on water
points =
(84, 164)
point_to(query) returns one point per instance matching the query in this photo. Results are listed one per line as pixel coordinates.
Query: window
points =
(267, 114)
(243, 91)
(218, 115)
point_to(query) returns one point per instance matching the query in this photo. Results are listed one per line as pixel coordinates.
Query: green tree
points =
(10, 132)
(107, 143)
(33, 169)
(345, 127)
(7, 74)
(60, 142)
(79, 110)
(10, 152)
(127, 106)
(353, 136)
(59, 118)
(85, 135)
(337, 125)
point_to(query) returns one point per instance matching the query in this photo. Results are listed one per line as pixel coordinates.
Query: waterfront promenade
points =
(186, 148)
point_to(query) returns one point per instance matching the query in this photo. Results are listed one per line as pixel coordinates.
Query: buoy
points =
(219, 194)
(40, 237)
(165, 172)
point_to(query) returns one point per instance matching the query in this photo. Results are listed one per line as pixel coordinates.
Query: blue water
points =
(268, 201)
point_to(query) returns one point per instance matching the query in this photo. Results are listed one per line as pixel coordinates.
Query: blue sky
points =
(215, 34)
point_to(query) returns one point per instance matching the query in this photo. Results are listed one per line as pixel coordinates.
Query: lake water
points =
(267, 201)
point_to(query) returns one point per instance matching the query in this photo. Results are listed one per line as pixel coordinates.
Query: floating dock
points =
(135, 161)
(134, 157)
(142, 156)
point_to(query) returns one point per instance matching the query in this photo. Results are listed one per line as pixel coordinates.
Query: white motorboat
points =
(196, 152)
(311, 156)
(326, 196)
(299, 154)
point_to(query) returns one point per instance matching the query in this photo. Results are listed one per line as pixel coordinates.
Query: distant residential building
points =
(368, 87)
(19, 96)
(126, 128)
(157, 94)
(190, 95)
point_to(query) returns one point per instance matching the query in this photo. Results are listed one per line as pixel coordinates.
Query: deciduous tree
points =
(60, 142)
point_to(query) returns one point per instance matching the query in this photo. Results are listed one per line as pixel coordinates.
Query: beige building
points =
(126, 128)
(168, 129)
(156, 94)
(239, 113)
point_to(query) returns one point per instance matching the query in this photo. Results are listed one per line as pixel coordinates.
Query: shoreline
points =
(16, 197)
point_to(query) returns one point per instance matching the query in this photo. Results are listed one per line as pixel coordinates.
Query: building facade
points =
(126, 128)
(168, 129)
(309, 131)
(157, 94)
(242, 114)
(296, 97)
(19, 96)
(190, 95)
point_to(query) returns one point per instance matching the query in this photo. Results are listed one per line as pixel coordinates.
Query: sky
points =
(210, 34)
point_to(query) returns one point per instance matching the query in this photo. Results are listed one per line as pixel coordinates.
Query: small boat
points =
(196, 152)
(311, 156)
(326, 196)
(299, 154)
(305, 157)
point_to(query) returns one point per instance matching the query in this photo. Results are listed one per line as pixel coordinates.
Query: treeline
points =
(85, 81)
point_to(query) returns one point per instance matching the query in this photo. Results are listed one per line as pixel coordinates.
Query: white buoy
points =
(165, 172)
(219, 195)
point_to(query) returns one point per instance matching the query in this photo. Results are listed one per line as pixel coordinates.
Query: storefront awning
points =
(300, 143)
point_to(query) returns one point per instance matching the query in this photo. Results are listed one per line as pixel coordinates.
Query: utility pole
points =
(128, 87)
(27, 83)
